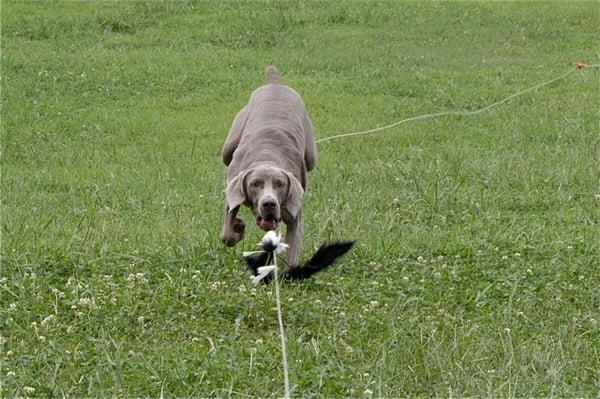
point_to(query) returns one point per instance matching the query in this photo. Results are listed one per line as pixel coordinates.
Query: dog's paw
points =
(232, 236)
(238, 226)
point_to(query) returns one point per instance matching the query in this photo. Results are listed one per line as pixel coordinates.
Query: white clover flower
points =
(215, 285)
(86, 302)
(48, 320)
(28, 390)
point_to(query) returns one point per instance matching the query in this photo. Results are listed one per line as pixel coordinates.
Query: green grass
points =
(477, 266)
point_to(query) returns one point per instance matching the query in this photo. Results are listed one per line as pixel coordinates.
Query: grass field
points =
(477, 266)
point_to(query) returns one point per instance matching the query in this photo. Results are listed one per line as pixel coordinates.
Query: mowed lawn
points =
(476, 270)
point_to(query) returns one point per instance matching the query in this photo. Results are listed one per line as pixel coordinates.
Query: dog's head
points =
(268, 190)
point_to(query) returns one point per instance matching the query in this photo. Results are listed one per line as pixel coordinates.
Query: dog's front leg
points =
(293, 237)
(233, 227)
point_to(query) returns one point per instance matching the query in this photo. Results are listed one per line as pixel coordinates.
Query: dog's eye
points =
(278, 183)
(256, 183)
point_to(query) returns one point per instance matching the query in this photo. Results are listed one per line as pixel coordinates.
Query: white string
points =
(460, 113)
(272, 240)
(286, 381)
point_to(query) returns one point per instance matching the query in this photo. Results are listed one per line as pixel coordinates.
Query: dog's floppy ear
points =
(235, 194)
(295, 193)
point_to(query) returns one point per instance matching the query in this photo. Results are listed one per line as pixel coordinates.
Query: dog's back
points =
(274, 129)
(275, 104)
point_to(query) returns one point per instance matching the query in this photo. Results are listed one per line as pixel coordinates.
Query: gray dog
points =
(269, 149)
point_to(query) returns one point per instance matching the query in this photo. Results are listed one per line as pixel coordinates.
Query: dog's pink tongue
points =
(266, 225)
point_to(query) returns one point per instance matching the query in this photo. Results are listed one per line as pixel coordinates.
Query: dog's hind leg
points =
(310, 151)
(234, 136)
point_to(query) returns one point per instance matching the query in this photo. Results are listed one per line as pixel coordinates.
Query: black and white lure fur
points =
(325, 256)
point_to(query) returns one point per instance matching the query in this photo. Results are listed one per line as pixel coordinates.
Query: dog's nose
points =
(269, 205)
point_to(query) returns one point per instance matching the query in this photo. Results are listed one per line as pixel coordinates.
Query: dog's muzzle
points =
(268, 216)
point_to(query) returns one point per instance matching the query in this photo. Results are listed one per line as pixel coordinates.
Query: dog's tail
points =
(325, 256)
(272, 75)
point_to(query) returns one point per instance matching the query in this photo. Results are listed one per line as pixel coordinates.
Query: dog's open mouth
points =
(268, 223)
